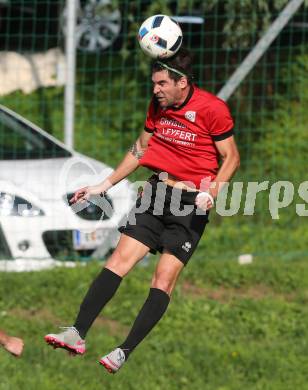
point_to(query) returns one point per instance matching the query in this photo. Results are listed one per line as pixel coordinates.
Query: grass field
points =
(228, 327)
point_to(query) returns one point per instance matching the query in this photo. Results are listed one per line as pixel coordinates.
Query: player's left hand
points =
(204, 200)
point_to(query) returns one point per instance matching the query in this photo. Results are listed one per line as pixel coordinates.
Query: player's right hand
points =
(81, 195)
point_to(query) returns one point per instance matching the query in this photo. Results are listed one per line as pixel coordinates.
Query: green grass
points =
(228, 327)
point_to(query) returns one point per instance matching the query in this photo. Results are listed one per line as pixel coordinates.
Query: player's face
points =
(167, 91)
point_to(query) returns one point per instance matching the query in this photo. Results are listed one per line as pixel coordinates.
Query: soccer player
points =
(187, 130)
(14, 345)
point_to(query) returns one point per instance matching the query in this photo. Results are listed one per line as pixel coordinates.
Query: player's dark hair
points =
(181, 62)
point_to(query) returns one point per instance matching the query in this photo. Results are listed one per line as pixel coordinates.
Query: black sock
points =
(100, 292)
(152, 311)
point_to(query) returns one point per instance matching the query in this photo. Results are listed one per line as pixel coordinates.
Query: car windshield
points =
(19, 141)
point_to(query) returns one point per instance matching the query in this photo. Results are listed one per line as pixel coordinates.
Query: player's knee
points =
(163, 283)
(119, 263)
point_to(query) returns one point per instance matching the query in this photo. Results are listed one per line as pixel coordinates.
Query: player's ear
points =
(183, 82)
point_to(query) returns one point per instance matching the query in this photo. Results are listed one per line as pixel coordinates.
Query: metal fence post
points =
(70, 51)
(260, 48)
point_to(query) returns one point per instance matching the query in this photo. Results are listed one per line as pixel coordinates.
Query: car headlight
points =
(97, 208)
(12, 205)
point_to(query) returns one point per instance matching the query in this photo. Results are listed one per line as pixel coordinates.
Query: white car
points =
(38, 174)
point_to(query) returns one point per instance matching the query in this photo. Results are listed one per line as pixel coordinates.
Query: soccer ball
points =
(160, 36)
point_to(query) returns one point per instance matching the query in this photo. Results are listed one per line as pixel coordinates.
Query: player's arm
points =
(131, 160)
(14, 345)
(230, 163)
(3, 337)
(128, 165)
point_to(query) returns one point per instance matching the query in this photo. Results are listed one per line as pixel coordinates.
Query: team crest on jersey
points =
(190, 115)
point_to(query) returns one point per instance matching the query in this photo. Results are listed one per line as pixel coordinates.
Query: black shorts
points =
(166, 218)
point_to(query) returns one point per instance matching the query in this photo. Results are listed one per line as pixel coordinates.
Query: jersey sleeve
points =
(149, 125)
(220, 121)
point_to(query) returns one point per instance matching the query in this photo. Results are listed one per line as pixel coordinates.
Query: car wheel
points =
(98, 24)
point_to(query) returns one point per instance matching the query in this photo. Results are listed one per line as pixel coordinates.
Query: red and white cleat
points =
(69, 340)
(113, 361)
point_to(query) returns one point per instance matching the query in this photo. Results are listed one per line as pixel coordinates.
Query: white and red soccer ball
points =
(160, 36)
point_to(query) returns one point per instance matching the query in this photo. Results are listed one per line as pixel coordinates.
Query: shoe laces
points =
(120, 356)
(70, 328)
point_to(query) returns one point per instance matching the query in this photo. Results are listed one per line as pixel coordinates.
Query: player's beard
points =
(164, 102)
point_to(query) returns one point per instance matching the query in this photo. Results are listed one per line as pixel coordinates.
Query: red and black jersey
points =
(183, 137)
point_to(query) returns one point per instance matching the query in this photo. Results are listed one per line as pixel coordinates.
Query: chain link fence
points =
(267, 213)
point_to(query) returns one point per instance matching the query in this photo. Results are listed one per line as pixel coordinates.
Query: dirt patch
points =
(29, 314)
(193, 290)
(113, 327)
(226, 294)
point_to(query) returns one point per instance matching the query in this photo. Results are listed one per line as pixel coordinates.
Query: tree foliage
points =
(243, 21)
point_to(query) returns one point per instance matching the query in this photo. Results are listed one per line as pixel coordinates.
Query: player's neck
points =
(184, 97)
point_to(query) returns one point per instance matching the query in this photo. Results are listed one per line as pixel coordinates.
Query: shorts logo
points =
(186, 246)
(190, 115)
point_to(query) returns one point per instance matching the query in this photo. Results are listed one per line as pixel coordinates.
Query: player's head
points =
(172, 78)
(177, 66)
